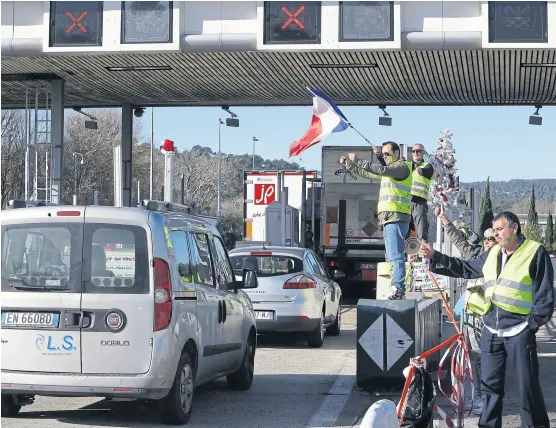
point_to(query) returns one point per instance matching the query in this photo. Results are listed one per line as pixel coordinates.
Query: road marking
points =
(337, 397)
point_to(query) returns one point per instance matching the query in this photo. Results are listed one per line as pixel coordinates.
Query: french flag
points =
(327, 118)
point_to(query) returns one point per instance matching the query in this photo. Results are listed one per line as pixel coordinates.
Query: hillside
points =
(514, 195)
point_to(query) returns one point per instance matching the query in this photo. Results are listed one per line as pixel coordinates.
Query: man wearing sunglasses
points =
(467, 249)
(394, 205)
(422, 175)
(518, 299)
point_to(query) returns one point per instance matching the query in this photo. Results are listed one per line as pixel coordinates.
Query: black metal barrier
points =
(390, 332)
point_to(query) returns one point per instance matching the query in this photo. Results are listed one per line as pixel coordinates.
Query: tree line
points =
(197, 166)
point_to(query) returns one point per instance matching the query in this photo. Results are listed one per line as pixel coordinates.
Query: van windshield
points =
(266, 265)
(75, 257)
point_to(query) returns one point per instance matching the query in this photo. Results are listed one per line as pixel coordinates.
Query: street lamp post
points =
(219, 209)
(75, 154)
(151, 180)
(255, 139)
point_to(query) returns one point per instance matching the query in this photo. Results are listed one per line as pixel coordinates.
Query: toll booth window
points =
(518, 22)
(366, 21)
(291, 22)
(147, 21)
(75, 23)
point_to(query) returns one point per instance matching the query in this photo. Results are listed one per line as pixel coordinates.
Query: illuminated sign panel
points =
(292, 22)
(75, 23)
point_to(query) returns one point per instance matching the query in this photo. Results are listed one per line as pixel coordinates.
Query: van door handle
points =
(224, 311)
(70, 319)
(219, 311)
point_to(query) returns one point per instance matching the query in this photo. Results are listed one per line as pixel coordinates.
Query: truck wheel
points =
(334, 329)
(176, 407)
(9, 408)
(243, 378)
(315, 338)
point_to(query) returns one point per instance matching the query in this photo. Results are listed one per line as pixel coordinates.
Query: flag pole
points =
(361, 135)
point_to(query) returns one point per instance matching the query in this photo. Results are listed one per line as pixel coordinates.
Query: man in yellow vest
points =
(422, 175)
(518, 299)
(394, 205)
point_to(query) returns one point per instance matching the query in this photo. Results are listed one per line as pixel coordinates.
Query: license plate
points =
(30, 319)
(368, 266)
(264, 315)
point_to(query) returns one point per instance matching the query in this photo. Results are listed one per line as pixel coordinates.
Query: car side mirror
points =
(184, 270)
(250, 279)
(338, 274)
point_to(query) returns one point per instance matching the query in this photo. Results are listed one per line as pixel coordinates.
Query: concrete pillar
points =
(57, 139)
(127, 135)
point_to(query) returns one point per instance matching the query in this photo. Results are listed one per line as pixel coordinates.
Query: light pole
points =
(75, 154)
(151, 189)
(255, 139)
(219, 209)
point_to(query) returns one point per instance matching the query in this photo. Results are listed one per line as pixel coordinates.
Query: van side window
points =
(202, 260)
(181, 252)
(115, 259)
(224, 272)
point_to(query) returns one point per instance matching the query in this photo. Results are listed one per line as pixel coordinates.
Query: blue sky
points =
(495, 141)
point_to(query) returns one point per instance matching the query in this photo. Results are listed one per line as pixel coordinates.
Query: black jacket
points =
(540, 270)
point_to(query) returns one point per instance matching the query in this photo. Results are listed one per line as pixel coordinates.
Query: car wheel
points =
(315, 338)
(242, 379)
(334, 329)
(9, 408)
(176, 407)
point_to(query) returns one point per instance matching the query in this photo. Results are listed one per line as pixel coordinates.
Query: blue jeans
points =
(394, 240)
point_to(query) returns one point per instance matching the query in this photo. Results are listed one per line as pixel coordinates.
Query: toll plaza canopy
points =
(266, 53)
(252, 53)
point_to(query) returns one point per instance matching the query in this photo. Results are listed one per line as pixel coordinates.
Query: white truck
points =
(352, 238)
(261, 189)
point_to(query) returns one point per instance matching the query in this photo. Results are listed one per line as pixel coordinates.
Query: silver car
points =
(120, 302)
(295, 293)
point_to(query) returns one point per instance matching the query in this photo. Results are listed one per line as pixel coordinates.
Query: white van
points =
(120, 302)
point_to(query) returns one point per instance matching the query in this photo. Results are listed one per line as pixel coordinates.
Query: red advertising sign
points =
(265, 193)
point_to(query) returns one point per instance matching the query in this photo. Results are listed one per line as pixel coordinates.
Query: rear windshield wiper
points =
(25, 286)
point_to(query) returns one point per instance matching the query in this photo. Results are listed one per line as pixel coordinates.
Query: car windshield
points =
(266, 265)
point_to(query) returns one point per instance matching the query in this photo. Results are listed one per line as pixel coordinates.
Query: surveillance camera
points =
(138, 112)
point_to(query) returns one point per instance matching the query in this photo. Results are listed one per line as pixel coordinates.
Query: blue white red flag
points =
(327, 118)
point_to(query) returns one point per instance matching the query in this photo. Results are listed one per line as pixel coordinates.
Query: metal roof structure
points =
(279, 78)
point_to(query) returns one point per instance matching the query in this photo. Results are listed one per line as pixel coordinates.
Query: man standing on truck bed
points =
(394, 205)
(422, 175)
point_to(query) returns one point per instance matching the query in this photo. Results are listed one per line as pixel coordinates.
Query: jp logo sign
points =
(265, 194)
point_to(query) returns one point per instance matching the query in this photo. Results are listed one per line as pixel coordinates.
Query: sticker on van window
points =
(52, 282)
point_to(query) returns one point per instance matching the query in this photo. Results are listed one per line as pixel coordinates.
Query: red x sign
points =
(293, 17)
(76, 22)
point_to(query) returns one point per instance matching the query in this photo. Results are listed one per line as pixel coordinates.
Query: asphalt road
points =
(294, 386)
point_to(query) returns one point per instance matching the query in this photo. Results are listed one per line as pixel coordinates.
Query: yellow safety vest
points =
(512, 290)
(395, 195)
(420, 185)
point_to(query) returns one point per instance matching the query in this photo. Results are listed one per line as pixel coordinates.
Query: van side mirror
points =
(250, 279)
(184, 270)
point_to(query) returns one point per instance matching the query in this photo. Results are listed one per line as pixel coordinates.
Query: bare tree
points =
(12, 175)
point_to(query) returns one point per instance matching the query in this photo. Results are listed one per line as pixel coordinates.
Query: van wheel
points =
(243, 378)
(9, 408)
(175, 408)
(315, 338)
(334, 329)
